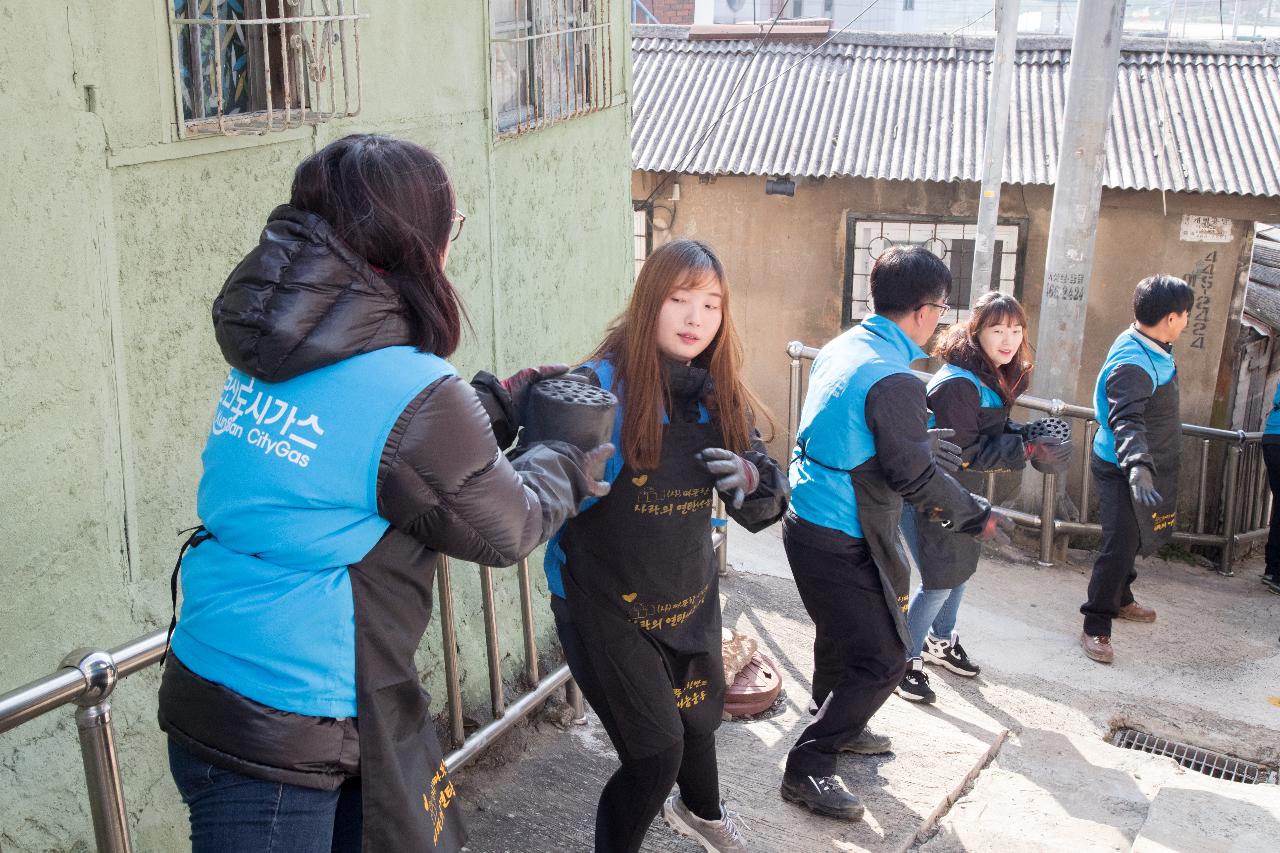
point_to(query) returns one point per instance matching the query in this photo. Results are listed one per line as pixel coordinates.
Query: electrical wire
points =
(707, 135)
(975, 20)
(736, 84)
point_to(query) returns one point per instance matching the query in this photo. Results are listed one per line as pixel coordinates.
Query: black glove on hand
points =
(734, 475)
(1049, 455)
(1143, 486)
(518, 384)
(593, 462)
(945, 454)
(997, 529)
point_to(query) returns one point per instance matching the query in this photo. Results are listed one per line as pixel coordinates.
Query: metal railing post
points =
(794, 400)
(449, 636)
(98, 750)
(497, 701)
(1090, 427)
(1229, 515)
(1048, 502)
(526, 618)
(1204, 485)
(720, 533)
(573, 696)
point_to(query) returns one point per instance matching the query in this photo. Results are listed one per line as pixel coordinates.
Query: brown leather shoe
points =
(1097, 648)
(1135, 612)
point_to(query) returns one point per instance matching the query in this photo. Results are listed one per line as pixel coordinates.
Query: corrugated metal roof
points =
(914, 107)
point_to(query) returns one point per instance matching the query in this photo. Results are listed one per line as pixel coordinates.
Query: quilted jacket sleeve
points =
(443, 480)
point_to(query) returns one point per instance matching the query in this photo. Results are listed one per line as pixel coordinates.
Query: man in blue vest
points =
(862, 447)
(1136, 455)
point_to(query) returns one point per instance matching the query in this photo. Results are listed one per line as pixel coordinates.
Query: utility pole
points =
(999, 92)
(1077, 193)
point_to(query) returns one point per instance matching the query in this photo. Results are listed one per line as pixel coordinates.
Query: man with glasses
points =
(863, 446)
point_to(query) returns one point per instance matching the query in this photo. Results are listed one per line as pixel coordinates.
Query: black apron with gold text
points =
(641, 584)
(408, 799)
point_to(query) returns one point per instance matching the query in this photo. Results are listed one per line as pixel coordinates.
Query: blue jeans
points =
(932, 611)
(232, 812)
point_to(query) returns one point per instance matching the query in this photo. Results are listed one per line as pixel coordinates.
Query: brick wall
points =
(668, 11)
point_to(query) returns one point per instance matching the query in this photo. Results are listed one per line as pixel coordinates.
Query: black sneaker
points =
(825, 795)
(914, 686)
(1272, 583)
(867, 742)
(949, 654)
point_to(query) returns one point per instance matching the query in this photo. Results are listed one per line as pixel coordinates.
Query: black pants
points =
(634, 793)
(1111, 585)
(858, 656)
(1271, 456)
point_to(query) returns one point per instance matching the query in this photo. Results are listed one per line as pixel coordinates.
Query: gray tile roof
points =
(912, 107)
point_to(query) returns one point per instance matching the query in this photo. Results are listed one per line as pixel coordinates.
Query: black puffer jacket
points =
(303, 300)
(300, 301)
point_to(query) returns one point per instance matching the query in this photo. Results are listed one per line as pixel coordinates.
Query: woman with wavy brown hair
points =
(987, 364)
(633, 578)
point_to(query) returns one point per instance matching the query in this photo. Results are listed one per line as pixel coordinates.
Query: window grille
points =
(953, 242)
(255, 66)
(551, 60)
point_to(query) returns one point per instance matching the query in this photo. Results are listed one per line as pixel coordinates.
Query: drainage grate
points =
(1204, 761)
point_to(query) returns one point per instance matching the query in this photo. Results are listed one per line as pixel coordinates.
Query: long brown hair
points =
(631, 345)
(960, 345)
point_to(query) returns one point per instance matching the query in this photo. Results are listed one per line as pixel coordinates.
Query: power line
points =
(975, 20)
(715, 123)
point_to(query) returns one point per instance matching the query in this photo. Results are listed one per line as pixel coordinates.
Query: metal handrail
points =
(87, 678)
(1244, 514)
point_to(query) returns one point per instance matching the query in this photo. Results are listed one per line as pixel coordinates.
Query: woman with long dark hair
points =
(345, 454)
(986, 365)
(633, 578)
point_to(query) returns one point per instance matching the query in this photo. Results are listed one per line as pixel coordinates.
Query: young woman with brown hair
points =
(987, 364)
(633, 578)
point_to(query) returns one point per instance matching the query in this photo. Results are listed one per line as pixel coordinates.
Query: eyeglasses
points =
(459, 218)
(942, 307)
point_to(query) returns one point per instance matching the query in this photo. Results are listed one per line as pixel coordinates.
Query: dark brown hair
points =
(631, 345)
(392, 202)
(960, 345)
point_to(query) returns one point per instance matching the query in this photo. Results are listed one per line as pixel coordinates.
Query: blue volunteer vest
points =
(289, 494)
(1130, 347)
(988, 398)
(833, 436)
(1272, 424)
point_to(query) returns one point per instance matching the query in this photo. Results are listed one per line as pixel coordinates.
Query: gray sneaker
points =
(717, 836)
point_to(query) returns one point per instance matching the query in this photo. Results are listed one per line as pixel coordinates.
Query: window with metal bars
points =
(550, 60)
(952, 240)
(255, 66)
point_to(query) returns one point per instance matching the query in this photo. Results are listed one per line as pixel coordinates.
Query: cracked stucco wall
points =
(116, 237)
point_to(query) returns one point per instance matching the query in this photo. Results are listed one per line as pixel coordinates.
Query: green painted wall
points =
(116, 236)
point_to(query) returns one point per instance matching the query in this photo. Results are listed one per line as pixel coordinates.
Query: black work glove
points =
(593, 462)
(1049, 455)
(734, 475)
(945, 454)
(997, 529)
(1143, 486)
(517, 385)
